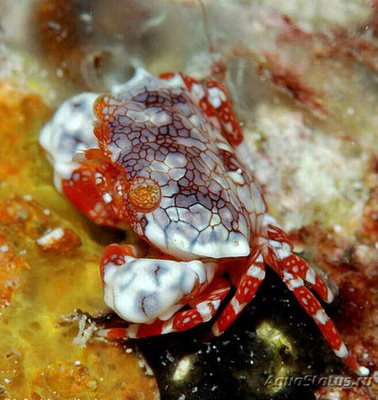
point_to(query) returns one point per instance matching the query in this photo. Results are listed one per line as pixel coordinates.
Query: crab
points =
(170, 162)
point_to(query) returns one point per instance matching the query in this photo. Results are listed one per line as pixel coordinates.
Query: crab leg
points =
(294, 270)
(86, 188)
(217, 103)
(313, 308)
(203, 309)
(296, 265)
(246, 289)
(213, 99)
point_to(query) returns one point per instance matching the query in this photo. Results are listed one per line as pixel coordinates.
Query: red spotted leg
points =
(87, 190)
(214, 100)
(217, 102)
(312, 306)
(276, 257)
(246, 288)
(297, 265)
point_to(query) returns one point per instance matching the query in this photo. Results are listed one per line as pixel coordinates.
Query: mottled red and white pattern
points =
(159, 133)
(169, 163)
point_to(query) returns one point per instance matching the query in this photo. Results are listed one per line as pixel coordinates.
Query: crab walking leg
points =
(203, 309)
(292, 263)
(298, 265)
(246, 290)
(213, 99)
(86, 188)
(217, 103)
(314, 309)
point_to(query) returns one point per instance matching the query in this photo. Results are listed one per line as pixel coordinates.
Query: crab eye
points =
(144, 194)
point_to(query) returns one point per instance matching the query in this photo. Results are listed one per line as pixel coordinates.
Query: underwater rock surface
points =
(272, 340)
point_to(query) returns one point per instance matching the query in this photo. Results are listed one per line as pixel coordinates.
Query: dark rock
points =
(273, 338)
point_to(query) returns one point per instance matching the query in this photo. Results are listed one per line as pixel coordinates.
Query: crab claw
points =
(141, 290)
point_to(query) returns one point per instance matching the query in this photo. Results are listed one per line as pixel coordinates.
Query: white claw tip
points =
(363, 371)
(330, 295)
